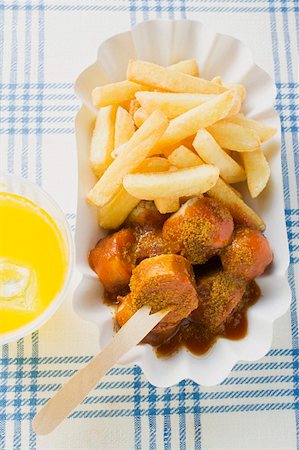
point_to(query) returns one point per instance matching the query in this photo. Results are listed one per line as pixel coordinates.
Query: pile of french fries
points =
(165, 134)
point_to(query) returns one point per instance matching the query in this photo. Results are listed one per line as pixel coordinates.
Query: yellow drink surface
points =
(30, 238)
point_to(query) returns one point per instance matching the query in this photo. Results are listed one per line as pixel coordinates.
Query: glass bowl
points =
(19, 186)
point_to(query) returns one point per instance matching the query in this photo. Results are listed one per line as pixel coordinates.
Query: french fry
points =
(114, 213)
(136, 150)
(208, 149)
(124, 127)
(182, 157)
(167, 205)
(172, 104)
(241, 212)
(184, 182)
(257, 170)
(122, 91)
(134, 106)
(202, 116)
(159, 77)
(102, 141)
(188, 66)
(234, 137)
(158, 164)
(117, 151)
(114, 93)
(140, 116)
(154, 164)
(217, 80)
(237, 105)
(187, 142)
(240, 88)
(263, 131)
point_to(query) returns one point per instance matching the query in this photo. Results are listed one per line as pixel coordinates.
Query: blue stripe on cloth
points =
(33, 386)
(294, 311)
(145, 9)
(199, 6)
(17, 434)
(13, 79)
(152, 399)
(294, 319)
(183, 9)
(40, 78)
(171, 9)
(132, 12)
(197, 417)
(137, 410)
(38, 179)
(167, 421)
(293, 117)
(3, 400)
(158, 9)
(27, 69)
(182, 418)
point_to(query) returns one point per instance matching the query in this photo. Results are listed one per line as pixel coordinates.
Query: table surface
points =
(44, 45)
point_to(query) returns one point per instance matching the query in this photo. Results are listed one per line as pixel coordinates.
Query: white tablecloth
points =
(44, 45)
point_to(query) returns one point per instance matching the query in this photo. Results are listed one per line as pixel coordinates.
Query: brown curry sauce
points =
(197, 338)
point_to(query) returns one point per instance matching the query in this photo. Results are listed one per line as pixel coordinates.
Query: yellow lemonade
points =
(33, 261)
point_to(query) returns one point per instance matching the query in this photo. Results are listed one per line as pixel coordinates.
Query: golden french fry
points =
(187, 142)
(114, 213)
(135, 151)
(167, 205)
(238, 87)
(208, 149)
(102, 141)
(122, 91)
(114, 93)
(217, 80)
(159, 77)
(134, 106)
(124, 127)
(117, 151)
(140, 116)
(188, 66)
(241, 212)
(172, 104)
(234, 137)
(263, 131)
(153, 164)
(182, 157)
(158, 164)
(237, 105)
(184, 182)
(202, 116)
(257, 170)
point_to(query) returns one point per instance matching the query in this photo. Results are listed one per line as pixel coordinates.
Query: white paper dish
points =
(166, 42)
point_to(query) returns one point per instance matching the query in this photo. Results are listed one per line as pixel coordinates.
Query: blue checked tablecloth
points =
(44, 45)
